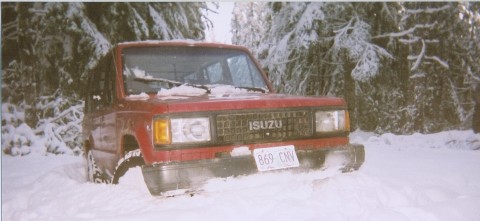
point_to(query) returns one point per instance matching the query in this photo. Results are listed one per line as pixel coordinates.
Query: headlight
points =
(181, 130)
(186, 130)
(332, 121)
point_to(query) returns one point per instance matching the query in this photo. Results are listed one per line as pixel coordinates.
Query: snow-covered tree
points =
(313, 47)
(291, 31)
(48, 47)
(436, 45)
(402, 66)
(252, 34)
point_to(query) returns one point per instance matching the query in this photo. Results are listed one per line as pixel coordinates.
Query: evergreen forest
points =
(403, 67)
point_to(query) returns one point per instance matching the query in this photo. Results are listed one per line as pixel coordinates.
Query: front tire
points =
(132, 159)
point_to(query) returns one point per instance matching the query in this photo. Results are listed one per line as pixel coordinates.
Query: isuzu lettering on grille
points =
(265, 124)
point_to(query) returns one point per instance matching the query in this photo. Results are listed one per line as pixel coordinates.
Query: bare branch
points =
(438, 60)
(406, 32)
(409, 41)
(9, 25)
(427, 10)
(418, 57)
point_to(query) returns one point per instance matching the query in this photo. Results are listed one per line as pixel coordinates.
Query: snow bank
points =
(17, 136)
(17, 140)
(417, 177)
(461, 140)
(58, 131)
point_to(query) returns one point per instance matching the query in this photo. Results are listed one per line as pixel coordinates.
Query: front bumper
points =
(161, 178)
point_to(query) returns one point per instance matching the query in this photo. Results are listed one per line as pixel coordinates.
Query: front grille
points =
(263, 126)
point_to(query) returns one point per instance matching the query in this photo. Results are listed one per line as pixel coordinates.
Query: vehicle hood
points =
(219, 102)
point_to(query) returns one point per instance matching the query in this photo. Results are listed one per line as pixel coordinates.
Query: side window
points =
(215, 73)
(244, 72)
(110, 76)
(240, 71)
(102, 85)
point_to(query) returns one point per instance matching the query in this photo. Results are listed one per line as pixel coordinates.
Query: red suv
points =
(189, 111)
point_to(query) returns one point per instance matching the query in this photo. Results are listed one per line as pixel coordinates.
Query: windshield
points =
(150, 69)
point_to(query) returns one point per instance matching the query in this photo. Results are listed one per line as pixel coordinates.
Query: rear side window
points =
(101, 87)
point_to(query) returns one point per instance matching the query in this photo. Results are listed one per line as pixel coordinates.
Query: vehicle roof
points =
(190, 43)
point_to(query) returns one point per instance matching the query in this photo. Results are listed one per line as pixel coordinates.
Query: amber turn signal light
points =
(161, 131)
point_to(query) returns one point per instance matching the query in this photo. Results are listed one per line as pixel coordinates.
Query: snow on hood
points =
(141, 96)
(227, 89)
(216, 91)
(182, 90)
(230, 92)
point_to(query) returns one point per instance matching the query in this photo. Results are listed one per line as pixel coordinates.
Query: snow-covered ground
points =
(417, 177)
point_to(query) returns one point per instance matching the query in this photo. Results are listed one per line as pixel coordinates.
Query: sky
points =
(221, 23)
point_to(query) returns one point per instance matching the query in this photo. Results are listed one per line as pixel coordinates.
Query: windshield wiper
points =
(176, 83)
(151, 79)
(254, 89)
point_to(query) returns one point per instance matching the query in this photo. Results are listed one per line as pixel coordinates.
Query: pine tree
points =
(48, 47)
(402, 67)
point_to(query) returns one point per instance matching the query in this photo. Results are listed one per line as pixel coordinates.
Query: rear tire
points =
(132, 159)
(94, 174)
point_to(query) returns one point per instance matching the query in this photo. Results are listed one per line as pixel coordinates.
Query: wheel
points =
(131, 160)
(94, 174)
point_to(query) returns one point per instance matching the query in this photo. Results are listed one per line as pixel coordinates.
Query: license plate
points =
(275, 158)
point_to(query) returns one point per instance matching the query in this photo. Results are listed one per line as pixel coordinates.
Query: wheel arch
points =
(129, 143)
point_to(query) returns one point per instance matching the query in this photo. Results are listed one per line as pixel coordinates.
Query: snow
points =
(355, 37)
(181, 41)
(216, 91)
(58, 134)
(141, 96)
(102, 45)
(227, 89)
(240, 151)
(142, 23)
(416, 177)
(161, 27)
(138, 73)
(183, 90)
(418, 58)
